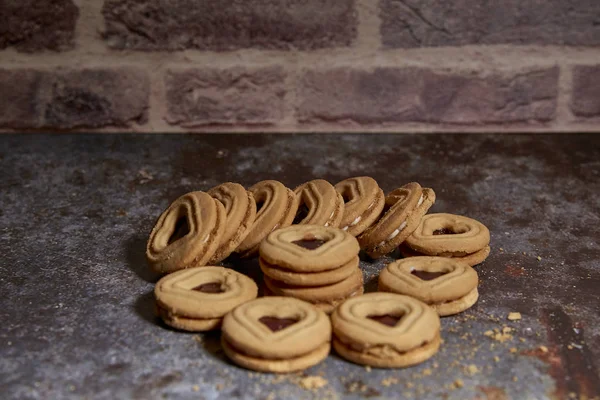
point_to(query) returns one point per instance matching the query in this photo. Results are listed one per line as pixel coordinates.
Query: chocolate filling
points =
(426, 275)
(444, 231)
(181, 229)
(387, 319)
(276, 324)
(300, 214)
(211, 287)
(310, 244)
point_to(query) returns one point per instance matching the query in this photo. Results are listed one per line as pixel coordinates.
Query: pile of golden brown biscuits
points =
(308, 241)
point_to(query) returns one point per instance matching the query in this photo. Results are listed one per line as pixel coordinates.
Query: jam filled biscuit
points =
(241, 210)
(448, 235)
(196, 299)
(314, 263)
(405, 208)
(319, 204)
(276, 207)
(364, 203)
(276, 334)
(385, 330)
(447, 285)
(471, 259)
(186, 234)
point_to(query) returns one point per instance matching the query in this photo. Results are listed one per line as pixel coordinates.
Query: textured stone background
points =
(300, 65)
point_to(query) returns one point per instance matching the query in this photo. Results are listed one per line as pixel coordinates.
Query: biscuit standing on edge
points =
(196, 299)
(314, 263)
(385, 330)
(447, 285)
(276, 207)
(449, 235)
(276, 334)
(319, 204)
(406, 206)
(186, 234)
(241, 210)
(364, 203)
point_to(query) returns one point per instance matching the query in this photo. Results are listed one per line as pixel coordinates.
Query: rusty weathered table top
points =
(76, 294)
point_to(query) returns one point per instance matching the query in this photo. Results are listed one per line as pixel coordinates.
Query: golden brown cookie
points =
(276, 334)
(319, 204)
(405, 208)
(186, 234)
(449, 235)
(385, 330)
(325, 297)
(309, 278)
(240, 208)
(470, 259)
(364, 201)
(447, 285)
(309, 248)
(196, 299)
(276, 207)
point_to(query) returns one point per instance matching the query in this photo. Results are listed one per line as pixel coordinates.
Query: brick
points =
(421, 23)
(420, 95)
(32, 25)
(586, 91)
(225, 96)
(218, 25)
(66, 99)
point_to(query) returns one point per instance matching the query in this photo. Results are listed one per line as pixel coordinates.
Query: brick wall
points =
(300, 65)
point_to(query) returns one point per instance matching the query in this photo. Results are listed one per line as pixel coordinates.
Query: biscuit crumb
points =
(515, 379)
(427, 372)
(409, 385)
(539, 258)
(195, 388)
(496, 358)
(435, 365)
(514, 316)
(387, 382)
(570, 347)
(522, 339)
(219, 386)
(368, 368)
(459, 383)
(543, 349)
(313, 382)
(501, 249)
(513, 350)
(472, 369)
(198, 338)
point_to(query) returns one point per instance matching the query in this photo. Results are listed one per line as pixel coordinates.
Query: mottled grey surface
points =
(77, 305)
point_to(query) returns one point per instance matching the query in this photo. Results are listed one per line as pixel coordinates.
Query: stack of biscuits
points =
(313, 263)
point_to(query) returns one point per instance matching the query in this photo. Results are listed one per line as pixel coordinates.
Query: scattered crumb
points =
(522, 339)
(501, 249)
(368, 368)
(459, 383)
(427, 372)
(195, 388)
(313, 382)
(409, 385)
(507, 329)
(198, 338)
(472, 369)
(570, 347)
(219, 386)
(496, 358)
(270, 396)
(515, 379)
(513, 350)
(435, 365)
(389, 381)
(539, 258)
(544, 349)
(71, 388)
(514, 316)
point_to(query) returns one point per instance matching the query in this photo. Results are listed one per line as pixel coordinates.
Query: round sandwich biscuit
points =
(449, 286)
(470, 259)
(276, 334)
(276, 207)
(186, 234)
(385, 330)
(405, 208)
(449, 235)
(364, 201)
(196, 299)
(318, 204)
(309, 278)
(240, 208)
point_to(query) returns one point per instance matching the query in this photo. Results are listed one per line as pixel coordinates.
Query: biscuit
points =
(309, 278)
(325, 297)
(405, 208)
(364, 201)
(276, 334)
(319, 204)
(196, 299)
(471, 259)
(447, 285)
(240, 208)
(309, 248)
(186, 234)
(276, 207)
(448, 235)
(385, 330)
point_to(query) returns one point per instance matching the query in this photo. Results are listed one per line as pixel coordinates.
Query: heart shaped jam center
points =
(276, 324)
(427, 275)
(211, 287)
(386, 319)
(444, 231)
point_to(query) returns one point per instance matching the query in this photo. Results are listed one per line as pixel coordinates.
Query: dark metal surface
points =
(76, 295)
